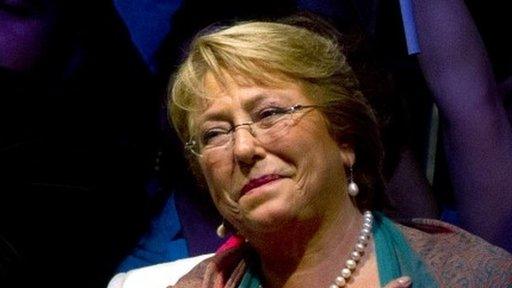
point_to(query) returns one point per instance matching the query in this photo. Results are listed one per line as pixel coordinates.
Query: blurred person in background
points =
(77, 124)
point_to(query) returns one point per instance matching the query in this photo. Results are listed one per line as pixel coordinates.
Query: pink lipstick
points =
(254, 183)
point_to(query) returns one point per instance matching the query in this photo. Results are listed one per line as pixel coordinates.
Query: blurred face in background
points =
(25, 28)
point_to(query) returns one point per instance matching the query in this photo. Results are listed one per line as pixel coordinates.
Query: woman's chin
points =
(271, 216)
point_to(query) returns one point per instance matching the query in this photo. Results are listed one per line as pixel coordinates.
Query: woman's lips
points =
(254, 183)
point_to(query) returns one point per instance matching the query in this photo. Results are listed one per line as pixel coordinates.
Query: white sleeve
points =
(156, 276)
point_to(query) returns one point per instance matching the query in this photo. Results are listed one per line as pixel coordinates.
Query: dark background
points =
(84, 132)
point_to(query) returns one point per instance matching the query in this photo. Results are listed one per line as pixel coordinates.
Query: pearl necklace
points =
(351, 264)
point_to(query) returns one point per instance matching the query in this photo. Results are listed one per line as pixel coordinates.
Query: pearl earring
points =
(353, 189)
(221, 230)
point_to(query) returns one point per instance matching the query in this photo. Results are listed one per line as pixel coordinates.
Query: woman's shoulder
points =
(435, 233)
(456, 255)
(160, 275)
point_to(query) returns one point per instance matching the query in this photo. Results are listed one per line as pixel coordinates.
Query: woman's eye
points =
(270, 112)
(212, 135)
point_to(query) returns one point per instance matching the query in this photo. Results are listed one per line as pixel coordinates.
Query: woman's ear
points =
(348, 156)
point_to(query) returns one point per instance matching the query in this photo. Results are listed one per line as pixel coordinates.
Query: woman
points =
(277, 127)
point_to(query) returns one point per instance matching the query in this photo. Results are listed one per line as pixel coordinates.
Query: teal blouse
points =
(395, 258)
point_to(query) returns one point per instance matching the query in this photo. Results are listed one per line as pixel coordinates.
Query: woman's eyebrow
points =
(248, 104)
(218, 115)
(254, 100)
(258, 98)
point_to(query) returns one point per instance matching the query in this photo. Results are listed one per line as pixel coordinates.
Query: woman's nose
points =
(246, 147)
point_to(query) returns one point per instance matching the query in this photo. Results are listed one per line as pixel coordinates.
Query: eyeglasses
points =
(270, 125)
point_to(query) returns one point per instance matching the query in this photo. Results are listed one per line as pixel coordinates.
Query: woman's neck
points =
(309, 253)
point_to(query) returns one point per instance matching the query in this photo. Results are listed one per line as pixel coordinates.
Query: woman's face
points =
(264, 186)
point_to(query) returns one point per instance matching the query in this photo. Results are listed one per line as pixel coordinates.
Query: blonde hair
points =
(267, 53)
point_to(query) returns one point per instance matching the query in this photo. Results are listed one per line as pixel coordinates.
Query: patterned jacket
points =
(455, 258)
